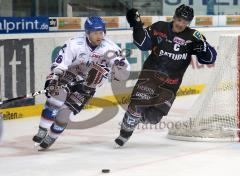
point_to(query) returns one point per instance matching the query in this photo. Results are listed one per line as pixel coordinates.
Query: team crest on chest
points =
(95, 56)
(179, 41)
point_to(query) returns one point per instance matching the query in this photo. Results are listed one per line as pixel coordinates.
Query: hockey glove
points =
(96, 75)
(51, 85)
(133, 18)
(120, 63)
(120, 69)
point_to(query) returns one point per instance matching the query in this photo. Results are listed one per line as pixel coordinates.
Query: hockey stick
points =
(24, 96)
(35, 93)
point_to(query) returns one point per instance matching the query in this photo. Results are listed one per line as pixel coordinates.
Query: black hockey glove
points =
(81, 88)
(51, 85)
(133, 18)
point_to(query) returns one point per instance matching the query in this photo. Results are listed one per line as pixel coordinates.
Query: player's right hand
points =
(51, 85)
(133, 18)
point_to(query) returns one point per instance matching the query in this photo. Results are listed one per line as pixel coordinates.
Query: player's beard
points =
(95, 41)
(98, 42)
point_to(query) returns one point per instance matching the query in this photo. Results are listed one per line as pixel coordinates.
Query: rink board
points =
(98, 102)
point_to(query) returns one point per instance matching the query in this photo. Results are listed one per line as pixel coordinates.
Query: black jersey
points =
(171, 52)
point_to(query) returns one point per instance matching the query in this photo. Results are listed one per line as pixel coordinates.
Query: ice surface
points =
(87, 152)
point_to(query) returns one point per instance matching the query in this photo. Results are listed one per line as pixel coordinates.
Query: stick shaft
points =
(38, 93)
(24, 96)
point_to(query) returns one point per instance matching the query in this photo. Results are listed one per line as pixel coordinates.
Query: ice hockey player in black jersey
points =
(171, 45)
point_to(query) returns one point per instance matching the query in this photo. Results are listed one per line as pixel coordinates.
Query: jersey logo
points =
(198, 35)
(95, 56)
(179, 41)
(174, 56)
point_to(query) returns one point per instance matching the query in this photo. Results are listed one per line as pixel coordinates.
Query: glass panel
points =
(83, 8)
(102, 7)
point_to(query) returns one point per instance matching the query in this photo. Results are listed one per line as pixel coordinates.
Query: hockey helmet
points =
(94, 23)
(185, 12)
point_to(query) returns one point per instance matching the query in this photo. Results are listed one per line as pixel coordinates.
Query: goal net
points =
(215, 114)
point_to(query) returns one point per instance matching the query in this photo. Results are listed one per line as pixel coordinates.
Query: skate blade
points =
(36, 144)
(116, 146)
(38, 147)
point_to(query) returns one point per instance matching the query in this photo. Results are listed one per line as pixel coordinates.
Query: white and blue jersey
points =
(76, 56)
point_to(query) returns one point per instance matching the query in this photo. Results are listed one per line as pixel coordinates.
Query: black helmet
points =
(184, 12)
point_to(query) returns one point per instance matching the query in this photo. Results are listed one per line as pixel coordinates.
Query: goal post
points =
(215, 115)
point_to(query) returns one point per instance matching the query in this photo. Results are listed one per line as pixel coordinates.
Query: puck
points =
(105, 170)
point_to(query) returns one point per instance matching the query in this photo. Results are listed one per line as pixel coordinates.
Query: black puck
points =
(105, 170)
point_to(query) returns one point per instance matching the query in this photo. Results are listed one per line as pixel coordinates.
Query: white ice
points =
(87, 152)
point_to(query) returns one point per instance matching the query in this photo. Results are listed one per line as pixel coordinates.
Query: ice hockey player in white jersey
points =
(83, 63)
